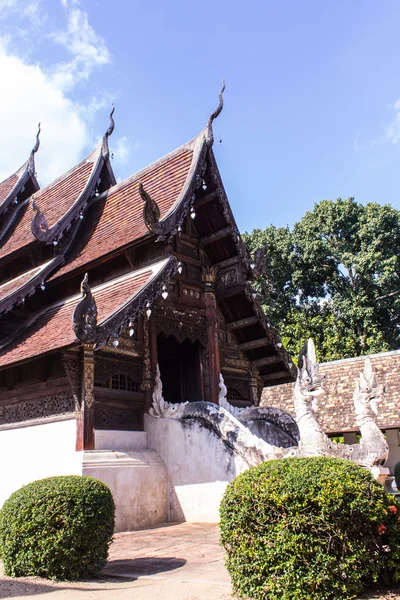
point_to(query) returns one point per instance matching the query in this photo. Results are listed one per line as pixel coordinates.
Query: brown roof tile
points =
(116, 218)
(11, 286)
(7, 186)
(54, 201)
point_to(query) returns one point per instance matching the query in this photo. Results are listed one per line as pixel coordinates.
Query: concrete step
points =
(138, 481)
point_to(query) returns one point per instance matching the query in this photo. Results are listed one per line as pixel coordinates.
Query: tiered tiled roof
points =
(115, 219)
(12, 187)
(51, 329)
(55, 201)
(89, 225)
(7, 186)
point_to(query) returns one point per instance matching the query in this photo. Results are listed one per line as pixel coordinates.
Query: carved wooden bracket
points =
(84, 319)
(151, 212)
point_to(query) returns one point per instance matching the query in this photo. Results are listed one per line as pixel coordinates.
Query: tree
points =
(335, 277)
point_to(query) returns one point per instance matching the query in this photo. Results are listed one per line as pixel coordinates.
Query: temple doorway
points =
(180, 369)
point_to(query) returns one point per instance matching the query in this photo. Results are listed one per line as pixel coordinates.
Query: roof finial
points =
(31, 162)
(112, 124)
(214, 115)
(108, 133)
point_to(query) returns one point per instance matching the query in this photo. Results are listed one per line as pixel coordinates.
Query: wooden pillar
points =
(253, 385)
(147, 381)
(214, 365)
(88, 409)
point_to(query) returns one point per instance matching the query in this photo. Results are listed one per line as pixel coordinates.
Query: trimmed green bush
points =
(59, 528)
(397, 474)
(309, 528)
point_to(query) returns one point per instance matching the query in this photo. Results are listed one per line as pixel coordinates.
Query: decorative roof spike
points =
(107, 134)
(31, 161)
(84, 319)
(214, 115)
(151, 211)
(39, 224)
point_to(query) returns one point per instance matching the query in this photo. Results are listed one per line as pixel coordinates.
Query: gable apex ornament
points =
(84, 319)
(105, 148)
(209, 136)
(31, 160)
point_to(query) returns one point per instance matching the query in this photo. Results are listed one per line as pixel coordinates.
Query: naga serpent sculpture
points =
(232, 424)
(372, 451)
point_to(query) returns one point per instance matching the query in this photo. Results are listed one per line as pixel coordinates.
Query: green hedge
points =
(310, 528)
(397, 474)
(59, 528)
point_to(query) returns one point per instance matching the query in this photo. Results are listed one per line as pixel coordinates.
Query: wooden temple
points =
(101, 281)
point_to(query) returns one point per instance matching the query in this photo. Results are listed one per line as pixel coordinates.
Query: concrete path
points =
(179, 562)
(171, 562)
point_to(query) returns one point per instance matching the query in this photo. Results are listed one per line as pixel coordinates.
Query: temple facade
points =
(100, 282)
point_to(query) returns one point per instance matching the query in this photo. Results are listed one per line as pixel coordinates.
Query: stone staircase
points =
(136, 476)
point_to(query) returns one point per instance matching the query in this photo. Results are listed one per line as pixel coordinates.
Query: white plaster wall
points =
(110, 439)
(138, 482)
(393, 439)
(199, 467)
(35, 452)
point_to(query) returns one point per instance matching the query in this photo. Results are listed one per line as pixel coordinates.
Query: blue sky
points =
(312, 104)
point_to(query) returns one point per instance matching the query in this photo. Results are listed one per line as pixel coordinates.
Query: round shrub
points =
(397, 474)
(59, 528)
(303, 528)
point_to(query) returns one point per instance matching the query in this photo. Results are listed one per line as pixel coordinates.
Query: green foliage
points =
(59, 528)
(334, 277)
(397, 474)
(317, 528)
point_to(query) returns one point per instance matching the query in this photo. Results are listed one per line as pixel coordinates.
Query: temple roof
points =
(16, 189)
(56, 202)
(51, 329)
(15, 290)
(12, 186)
(115, 219)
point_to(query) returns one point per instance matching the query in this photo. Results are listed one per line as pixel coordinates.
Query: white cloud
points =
(122, 150)
(7, 4)
(87, 48)
(64, 132)
(393, 129)
(35, 94)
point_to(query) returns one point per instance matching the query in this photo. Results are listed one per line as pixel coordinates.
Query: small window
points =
(119, 382)
(233, 395)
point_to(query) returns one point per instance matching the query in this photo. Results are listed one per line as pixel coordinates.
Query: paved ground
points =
(171, 562)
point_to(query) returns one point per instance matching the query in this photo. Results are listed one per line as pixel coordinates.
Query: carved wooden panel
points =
(110, 417)
(39, 408)
(104, 369)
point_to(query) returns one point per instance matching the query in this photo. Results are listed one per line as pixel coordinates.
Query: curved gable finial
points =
(151, 211)
(39, 224)
(108, 133)
(214, 115)
(31, 162)
(84, 319)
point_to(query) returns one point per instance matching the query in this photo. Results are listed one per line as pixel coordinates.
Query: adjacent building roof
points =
(336, 409)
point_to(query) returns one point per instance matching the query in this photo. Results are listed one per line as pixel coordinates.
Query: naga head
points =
(367, 393)
(309, 382)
